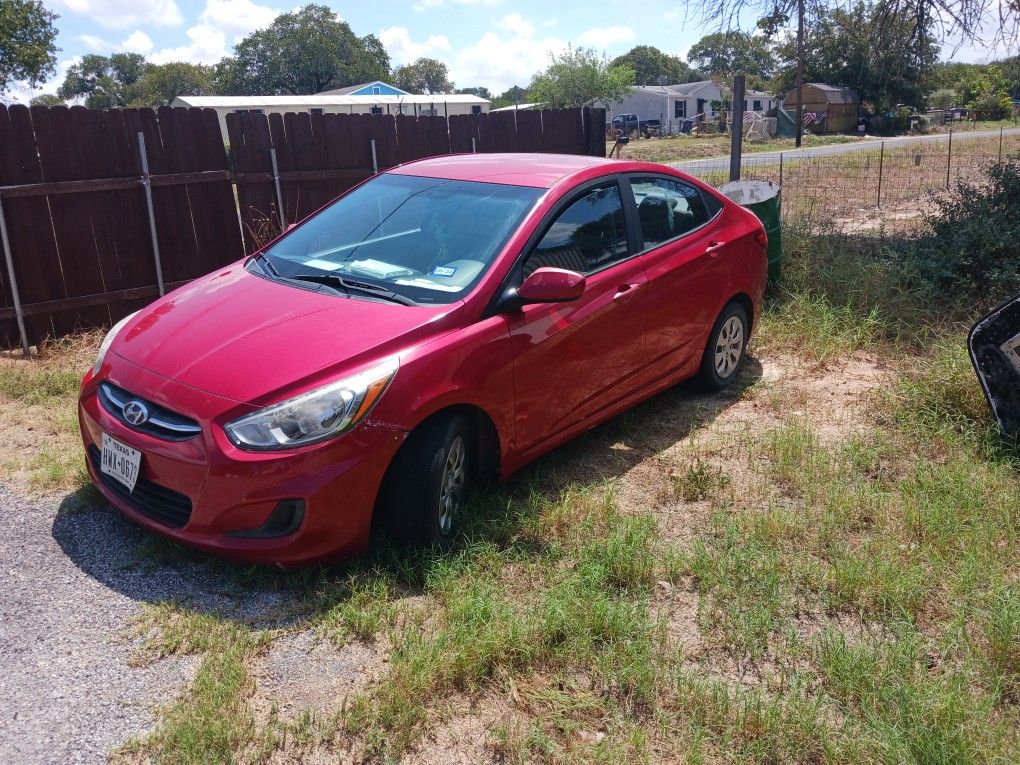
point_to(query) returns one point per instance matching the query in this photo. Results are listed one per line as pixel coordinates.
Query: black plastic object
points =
(995, 352)
(285, 519)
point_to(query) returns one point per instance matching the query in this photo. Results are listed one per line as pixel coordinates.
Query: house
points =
(759, 101)
(833, 109)
(441, 104)
(670, 104)
(376, 88)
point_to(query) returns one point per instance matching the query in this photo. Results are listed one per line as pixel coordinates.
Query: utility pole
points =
(800, 71)
(736, 126)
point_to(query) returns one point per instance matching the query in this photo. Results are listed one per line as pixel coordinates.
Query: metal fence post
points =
(881, 160)
(474, 147)
(736, 127)
(147, 185)
(949, 157)
(279, 194)
(1000, 144)
(375, 159)
(15, 297)
(780, 169)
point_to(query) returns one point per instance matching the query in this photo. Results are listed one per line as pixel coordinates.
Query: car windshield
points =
(427, 239)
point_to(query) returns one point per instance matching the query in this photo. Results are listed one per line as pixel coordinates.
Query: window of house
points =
(256, 111)
(668, 209)
(586, 237)
(679, 109)
(316, 110)
(376, 90)
(757, 106)
(476, 109)
(376, 110)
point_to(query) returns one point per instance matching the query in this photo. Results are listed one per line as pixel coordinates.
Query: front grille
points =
(160, 421)
(159, 503)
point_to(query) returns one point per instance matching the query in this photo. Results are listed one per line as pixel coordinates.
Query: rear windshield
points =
(429, 239)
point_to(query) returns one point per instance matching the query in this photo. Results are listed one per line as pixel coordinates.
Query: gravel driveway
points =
(72, 583)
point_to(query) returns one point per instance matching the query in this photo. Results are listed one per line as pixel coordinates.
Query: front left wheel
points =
(425, 491)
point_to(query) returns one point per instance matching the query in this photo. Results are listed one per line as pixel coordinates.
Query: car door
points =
(685, 257)
(573, 359)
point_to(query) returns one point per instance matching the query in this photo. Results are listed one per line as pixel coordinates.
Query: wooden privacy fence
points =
(101, 211)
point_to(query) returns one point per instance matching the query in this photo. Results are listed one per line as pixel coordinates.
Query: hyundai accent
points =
(446, 321)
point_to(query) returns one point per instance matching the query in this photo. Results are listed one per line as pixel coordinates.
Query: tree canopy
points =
(160, 84)
(302, 53)
(861, 47)
(723, 54)
(580, 77)
(426, 75)
(27, 43)
(649, 64)
(103, 81)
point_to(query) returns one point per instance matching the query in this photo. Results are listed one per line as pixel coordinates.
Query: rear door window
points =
(668, 209)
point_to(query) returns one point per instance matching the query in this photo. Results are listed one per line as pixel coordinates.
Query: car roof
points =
(535, 170)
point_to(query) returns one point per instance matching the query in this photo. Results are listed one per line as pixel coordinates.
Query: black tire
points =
(412, 498)
(719, 372)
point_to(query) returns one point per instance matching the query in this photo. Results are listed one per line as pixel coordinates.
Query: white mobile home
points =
(441, 104)
(669, 103)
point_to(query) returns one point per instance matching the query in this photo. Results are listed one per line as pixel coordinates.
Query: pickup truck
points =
(628, 123)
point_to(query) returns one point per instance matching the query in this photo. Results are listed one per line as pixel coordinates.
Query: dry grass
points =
(39, 445)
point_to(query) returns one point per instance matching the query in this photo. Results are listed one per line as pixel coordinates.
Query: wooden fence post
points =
(147, 185)
(15, 297)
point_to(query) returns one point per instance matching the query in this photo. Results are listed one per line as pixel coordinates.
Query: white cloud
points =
(120, 14)
(237, 18)
(220, 24)
(517, 24)
(605, 37)
(423, 5)
(137, 42)
(402, 49)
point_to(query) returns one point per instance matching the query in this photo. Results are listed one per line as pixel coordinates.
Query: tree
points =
(27, 47)
(649, 64)
(986, 90)
(426, 75)
(301, 53)
(723, 54)
(581, 77)
(857, 47)
(515, 94)
(481, 92)
(160, 84)
(103, 81)
(47, 99)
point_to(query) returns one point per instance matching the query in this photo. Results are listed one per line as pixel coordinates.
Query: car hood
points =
(244, 337)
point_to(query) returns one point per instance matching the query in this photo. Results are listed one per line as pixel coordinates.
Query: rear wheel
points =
(724, 353)
(425, 490)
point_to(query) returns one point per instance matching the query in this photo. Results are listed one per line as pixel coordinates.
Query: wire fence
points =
(882, 186)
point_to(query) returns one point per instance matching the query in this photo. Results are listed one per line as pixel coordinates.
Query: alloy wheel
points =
(451, 492)
(729, 346)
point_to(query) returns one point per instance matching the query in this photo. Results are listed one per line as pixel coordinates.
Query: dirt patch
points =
(300, 672)
(465, 738)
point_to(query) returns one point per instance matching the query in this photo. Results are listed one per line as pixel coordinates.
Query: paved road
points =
(772, 157)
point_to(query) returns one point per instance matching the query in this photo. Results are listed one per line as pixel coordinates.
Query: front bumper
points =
(232, 490)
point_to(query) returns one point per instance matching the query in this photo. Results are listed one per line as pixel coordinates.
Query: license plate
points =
(120, 461)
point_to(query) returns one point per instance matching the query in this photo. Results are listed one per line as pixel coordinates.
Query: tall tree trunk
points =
(800, 71)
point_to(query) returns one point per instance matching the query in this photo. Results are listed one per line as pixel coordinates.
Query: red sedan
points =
(449, 319)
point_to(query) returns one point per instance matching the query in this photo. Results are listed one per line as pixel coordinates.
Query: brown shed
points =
(840, 105)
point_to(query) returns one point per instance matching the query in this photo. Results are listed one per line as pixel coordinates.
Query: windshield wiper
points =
(351, 285)
(265, 264)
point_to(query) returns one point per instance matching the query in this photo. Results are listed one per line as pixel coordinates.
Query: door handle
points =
(625, 292)
(714, 247)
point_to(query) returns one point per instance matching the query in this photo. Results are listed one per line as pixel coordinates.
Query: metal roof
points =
(255, 102)
(679, 89)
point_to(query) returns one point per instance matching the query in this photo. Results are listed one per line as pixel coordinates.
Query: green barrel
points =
(763, 199)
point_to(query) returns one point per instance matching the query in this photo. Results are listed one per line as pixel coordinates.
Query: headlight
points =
(322, 413)
(108, 341)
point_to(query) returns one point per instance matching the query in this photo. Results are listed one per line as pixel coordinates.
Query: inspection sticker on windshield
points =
(323, 265)
(444, 271)
(120, 461)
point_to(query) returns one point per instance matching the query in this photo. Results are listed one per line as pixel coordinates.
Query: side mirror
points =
(551, 285)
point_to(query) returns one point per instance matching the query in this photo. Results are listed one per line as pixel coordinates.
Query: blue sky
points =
(495, 43)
